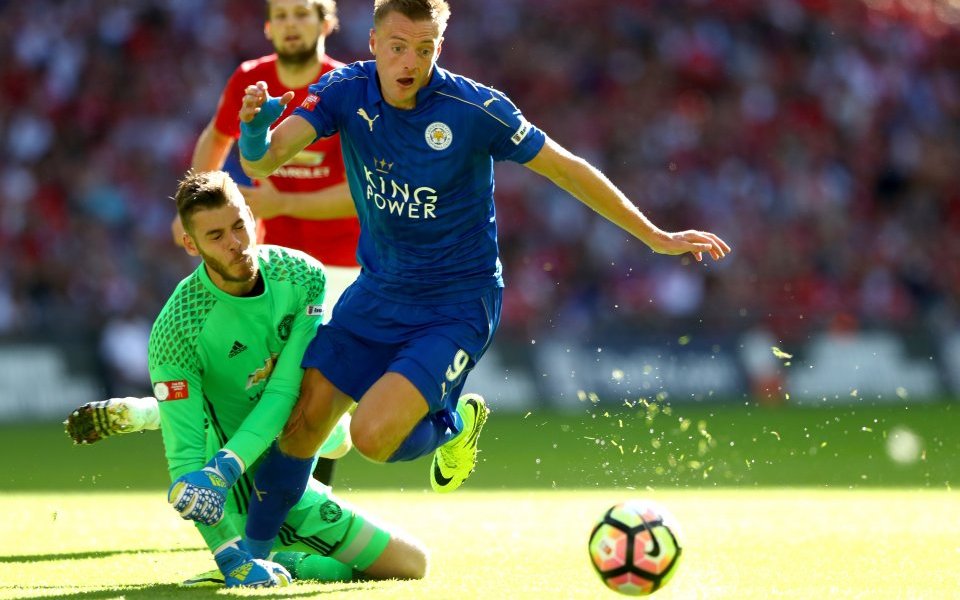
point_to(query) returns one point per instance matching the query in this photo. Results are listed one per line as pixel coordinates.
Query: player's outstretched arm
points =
(95, 421)
(591, 187)
(262, 151)
(266, 202)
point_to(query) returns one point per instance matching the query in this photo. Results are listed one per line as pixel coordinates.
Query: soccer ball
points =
(635, 547)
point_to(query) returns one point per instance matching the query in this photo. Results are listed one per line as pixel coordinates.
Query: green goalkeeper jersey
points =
(226, 369)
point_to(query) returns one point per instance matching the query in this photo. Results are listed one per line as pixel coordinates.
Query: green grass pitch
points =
(789, 543)
(774, 503)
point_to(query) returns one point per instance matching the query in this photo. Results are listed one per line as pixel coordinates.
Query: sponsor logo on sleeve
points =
(314, 310)
(171, 390)
(310, 102)
(521, 132)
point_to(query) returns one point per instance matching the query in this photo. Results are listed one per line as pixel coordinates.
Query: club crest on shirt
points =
(330, 511)
(438, 135)
(283, 329)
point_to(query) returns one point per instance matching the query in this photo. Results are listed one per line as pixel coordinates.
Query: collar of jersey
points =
(438, 80)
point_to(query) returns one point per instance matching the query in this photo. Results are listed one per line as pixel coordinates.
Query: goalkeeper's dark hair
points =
(203, 190)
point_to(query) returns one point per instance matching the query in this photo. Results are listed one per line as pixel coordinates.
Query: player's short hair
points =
(326, 10)
(437, 11)
(203, 190)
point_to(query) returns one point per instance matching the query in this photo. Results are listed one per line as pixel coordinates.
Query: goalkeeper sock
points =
(278, 485)
(430, 433)
(144, 413)
(313, 566)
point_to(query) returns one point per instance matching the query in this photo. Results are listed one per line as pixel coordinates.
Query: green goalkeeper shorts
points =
(323, 524)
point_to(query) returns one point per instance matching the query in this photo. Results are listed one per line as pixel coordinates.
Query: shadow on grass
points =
(170, 590)
(32, 558)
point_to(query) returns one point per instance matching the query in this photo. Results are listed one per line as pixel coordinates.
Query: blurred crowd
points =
(820, 139)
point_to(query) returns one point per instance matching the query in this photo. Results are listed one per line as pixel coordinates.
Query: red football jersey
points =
(318, 166)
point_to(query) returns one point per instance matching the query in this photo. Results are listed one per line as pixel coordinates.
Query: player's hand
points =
(263, 199)
(95, 421)
(200, 495)
(240, 568)
(692, 241)
(259, 109)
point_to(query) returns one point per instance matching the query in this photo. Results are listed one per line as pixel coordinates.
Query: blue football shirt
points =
(422, 179)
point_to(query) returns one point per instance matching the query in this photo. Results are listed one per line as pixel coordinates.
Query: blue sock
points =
(278, 485)
(429, 434)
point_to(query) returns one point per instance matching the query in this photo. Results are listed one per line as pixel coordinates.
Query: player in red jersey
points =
(305, 204)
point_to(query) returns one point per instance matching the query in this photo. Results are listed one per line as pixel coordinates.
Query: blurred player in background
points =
(225, 356)
(419, 145)
(306, 204)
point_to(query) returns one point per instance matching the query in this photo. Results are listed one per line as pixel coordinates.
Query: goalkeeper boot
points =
(95, 421)
(454, 461)
(212, 578)
(240, 569)
(300, 565)
(291, 561)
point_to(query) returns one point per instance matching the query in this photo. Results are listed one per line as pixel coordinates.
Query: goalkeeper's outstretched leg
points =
(95, 421)
(327, 539)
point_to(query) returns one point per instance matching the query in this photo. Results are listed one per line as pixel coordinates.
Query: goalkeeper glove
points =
(240, 568)
(200, 495)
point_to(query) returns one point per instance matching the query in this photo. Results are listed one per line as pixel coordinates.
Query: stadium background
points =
(819, 138)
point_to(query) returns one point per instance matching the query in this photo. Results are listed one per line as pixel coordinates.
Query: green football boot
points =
(455, 461)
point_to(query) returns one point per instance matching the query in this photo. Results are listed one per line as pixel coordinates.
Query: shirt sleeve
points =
(321, 106)
(227, 118)
(515, 138)
(267, 419)
(180, 397)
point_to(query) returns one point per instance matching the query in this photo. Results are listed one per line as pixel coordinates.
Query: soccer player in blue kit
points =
(419, 144)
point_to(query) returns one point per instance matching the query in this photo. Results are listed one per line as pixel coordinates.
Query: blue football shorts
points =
(433, 346)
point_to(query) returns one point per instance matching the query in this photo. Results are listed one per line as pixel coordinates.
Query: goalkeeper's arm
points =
(95, 421)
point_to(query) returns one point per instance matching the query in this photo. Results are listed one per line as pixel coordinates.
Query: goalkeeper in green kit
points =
(225, 366)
